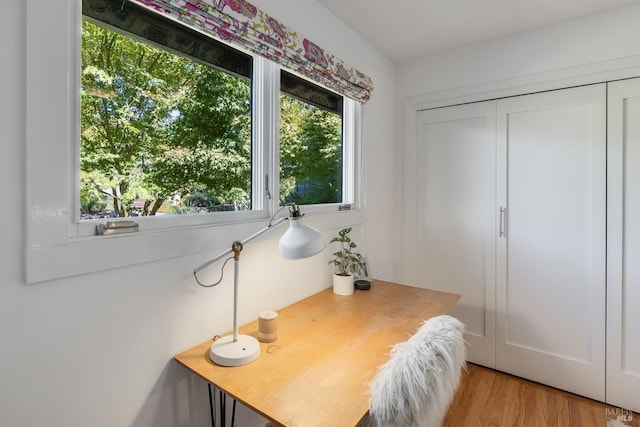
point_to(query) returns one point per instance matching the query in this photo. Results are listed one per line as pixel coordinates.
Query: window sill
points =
(100, 253)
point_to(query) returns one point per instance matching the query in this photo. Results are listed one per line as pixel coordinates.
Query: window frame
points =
(259, 81)
(56, 243)
(351, 113)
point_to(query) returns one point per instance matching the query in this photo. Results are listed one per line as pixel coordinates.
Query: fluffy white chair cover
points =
(414, 388)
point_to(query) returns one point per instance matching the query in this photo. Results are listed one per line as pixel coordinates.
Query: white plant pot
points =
(343, 285)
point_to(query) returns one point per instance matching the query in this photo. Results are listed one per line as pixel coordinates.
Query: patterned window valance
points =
(239, 22)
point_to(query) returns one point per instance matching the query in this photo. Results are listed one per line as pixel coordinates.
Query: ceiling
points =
(409, 29)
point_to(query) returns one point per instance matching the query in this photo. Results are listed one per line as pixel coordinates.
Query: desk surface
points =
(329, 348)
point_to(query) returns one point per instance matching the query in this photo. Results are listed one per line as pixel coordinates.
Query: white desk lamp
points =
(299, 241)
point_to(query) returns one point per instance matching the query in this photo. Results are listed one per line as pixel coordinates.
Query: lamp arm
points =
(272, 225)
(277, 212)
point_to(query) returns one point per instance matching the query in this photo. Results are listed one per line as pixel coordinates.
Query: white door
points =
(455, 216)
(623, 241)
(551, 258)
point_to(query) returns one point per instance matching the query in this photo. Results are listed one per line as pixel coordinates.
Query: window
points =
(161, 132)
(166, 123)
(60, 244)
(311, 143)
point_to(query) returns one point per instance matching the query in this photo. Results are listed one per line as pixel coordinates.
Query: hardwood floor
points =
(490, 398)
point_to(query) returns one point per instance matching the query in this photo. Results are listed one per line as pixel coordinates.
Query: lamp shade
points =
(300, 241)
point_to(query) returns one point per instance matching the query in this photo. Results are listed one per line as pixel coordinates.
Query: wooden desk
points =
(329, 348)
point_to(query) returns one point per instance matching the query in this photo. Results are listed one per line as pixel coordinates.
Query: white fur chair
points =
(414, 388)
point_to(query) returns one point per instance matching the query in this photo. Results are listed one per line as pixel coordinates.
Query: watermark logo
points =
(617, 417)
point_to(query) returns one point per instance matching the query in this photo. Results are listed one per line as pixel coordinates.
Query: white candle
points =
(268, 326)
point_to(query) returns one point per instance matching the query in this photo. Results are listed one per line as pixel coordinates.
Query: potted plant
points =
(346, 261)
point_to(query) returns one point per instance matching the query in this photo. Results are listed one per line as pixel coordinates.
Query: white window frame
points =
(57, 243)
(351, 157)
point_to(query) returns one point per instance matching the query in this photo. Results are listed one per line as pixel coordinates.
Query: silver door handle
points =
(502, 215)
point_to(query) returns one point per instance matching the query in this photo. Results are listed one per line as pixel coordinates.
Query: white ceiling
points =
(408, 29)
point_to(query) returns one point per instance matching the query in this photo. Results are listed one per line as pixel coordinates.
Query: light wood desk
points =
(329, 348)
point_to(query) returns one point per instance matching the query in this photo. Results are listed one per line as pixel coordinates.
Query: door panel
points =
(551, 259)
(623, 270)
(455, 219)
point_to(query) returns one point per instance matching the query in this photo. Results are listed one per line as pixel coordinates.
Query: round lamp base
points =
(226, 352)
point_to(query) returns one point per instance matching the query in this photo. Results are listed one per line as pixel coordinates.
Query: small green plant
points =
(345, 259)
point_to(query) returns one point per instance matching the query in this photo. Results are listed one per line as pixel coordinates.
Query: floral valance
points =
(239, 22)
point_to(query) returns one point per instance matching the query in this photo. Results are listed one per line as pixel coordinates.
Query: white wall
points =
(556, 52)
(96, 350)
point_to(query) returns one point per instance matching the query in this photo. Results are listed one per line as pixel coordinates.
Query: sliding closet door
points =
(623, 281)
(551, 285)
(455, 216)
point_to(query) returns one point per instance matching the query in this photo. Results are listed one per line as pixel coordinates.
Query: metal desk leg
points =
(221, 413)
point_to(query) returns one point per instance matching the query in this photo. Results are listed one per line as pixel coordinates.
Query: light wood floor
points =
(490, 398)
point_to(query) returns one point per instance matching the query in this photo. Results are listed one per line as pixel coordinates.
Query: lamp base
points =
(226, 352)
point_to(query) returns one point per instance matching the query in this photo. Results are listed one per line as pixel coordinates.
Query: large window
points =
(165, 118)
(132, 113)
(166, 123)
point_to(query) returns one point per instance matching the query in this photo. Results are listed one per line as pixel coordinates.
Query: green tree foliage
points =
(310, 153)
(154, 125)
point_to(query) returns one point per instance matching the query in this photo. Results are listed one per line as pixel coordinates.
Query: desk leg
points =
(212, 403)
(233, 414)
(221, 414)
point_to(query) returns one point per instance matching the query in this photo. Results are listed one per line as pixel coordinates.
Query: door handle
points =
(502, 218)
